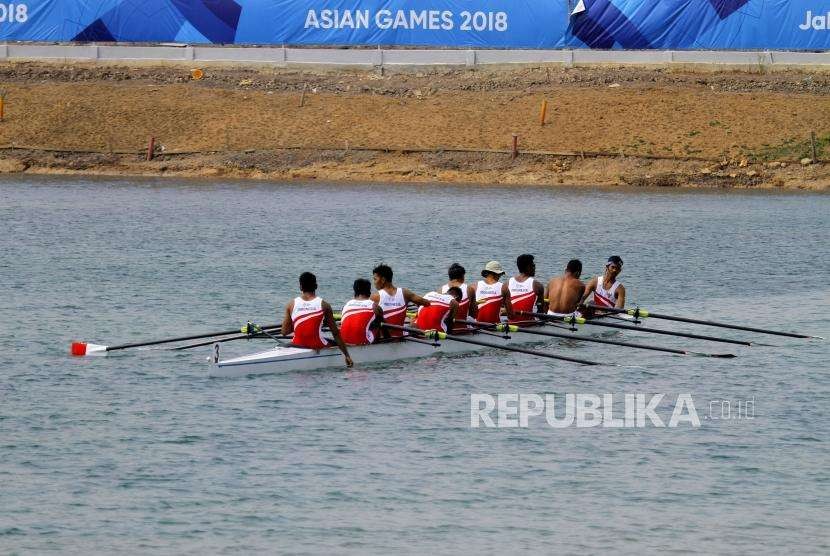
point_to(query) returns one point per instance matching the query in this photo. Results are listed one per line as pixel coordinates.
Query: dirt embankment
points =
(602, 125)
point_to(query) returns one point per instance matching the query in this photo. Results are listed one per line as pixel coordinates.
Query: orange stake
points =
(543, 112)
(151, 147)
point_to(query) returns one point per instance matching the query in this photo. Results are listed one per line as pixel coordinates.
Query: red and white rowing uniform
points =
(488, 300)
(603, 297)
(307, 318)
(434, 317)
(356, 321)
(522, 297)
(463, 306)
(394, 310)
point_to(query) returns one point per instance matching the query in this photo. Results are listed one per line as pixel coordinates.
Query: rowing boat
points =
(284, 358)
(289, 358)
(480, 336)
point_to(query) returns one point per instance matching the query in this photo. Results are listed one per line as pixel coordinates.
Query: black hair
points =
(308, 282)
(455, 291)
(574, 267)
(616, 260)
(384, 271)
(524, 262)
(456, 272)
(362, 286)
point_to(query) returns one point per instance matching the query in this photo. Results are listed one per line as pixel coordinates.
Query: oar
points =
(526, 330)
(580, 320)
(221, 341)
(435, 335)
(643, 313)
(84, 348)
(258, 332)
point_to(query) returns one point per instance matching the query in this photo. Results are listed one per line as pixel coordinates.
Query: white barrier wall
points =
(400, 57)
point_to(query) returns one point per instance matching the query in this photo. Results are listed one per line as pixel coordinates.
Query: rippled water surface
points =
(141, 452)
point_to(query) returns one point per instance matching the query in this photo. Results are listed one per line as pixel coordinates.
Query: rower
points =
(491, 294)
(456, 274)
(608, 292)
(564, 292)
(392, 299)
(526, 293)
(360, 317)
(442, 310)
(305, 315)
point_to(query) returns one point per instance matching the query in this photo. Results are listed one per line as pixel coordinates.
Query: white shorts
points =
(574, 314)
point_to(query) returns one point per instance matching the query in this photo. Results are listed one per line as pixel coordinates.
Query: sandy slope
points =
(649, 127)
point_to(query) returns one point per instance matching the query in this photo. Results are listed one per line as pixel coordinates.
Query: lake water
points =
(141, 452)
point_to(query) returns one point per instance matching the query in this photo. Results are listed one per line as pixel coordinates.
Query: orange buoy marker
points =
(196, 74)
(543, 112)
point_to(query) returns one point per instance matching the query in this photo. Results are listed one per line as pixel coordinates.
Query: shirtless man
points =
(564, 292)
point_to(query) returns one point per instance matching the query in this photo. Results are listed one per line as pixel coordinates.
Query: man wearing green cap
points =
(491, 295)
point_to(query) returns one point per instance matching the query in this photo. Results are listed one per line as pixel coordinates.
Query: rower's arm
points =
(620, 304)
(378, 320)
(450, 320)
(505, 298)
(541, 305)
(546, 297)
(472, 305)
(287, 325)
(412, 297)
(335, 332)
(590, 287)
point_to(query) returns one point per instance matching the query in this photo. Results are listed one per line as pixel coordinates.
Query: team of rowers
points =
(486, 301)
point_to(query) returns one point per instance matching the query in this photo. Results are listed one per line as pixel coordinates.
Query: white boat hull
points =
(287, 359)
(282, 359)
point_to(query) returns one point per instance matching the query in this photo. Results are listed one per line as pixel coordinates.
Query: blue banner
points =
(598, 24)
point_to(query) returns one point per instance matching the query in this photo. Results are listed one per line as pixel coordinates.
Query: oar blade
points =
(81, 349)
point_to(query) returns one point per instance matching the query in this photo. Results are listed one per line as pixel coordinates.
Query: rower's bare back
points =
(564, 294)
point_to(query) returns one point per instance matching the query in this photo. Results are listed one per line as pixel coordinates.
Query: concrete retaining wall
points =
(277, 56)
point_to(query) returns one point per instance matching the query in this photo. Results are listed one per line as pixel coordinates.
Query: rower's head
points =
(455, 292)
(526, 265)
(614, 266)
(456, 272)
(574, 268)
(493, 271)
(362, 288)
(308, 282)
(382, 276)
